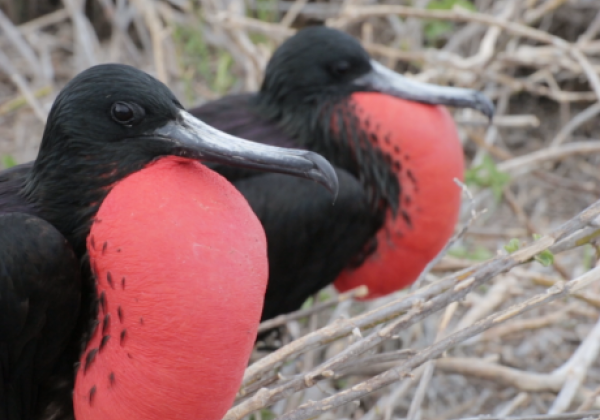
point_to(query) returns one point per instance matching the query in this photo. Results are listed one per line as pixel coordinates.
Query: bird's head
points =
(320, 63)
(112, 120)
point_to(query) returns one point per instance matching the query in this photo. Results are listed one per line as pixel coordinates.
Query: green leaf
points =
(307, 303)
(546, 258)
(487, 175)
(588, 256)
(513, 245)
(536, 236)
(8, 161)
(324, 296)
(480, 253)
(436, 29)
(449, 5)
(265, 414)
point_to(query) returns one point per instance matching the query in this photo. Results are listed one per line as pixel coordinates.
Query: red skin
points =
(430, 148)
(193, 255)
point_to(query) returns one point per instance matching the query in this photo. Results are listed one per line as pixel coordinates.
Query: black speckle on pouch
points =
(406, 218)
(111, 378)
(93, 242)
(120, 313)
(89, 359)
(92, 394)
(123, 283)
(104, 341)
(103, 301)
(142, 321)
(109, 280)
(105, 324)
(94, 327)
(123, 336)
(104, 247)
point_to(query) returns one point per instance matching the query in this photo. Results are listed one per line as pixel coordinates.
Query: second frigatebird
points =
(396, 153)
(120, 251)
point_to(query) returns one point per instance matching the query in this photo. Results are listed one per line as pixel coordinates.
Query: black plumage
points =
(307, 85)
(107, 123)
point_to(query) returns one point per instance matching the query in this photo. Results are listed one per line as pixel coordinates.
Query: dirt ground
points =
(529, 172)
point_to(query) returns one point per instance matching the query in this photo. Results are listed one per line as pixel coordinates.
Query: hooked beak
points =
(197, 140)
(384, 80)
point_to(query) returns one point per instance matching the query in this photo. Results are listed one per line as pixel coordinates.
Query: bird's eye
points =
(340, 68)
(123, 113)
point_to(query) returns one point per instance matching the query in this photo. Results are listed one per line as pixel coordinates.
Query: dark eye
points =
(123, 113)
(340, 68)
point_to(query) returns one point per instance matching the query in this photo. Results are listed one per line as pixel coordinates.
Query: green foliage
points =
(265, 414)
(8, 161)
(308, 303)
(479, 253)
(513, 245)
(546, 258)
(435, 29)
(588, 256)
(196, 57)
(487, 175)
(266, 10)
(324, 296)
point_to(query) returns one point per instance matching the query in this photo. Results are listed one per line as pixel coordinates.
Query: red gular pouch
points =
(181, 269)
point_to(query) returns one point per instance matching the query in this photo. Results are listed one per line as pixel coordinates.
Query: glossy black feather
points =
(310, 240)
(48, 302)
(40, 290)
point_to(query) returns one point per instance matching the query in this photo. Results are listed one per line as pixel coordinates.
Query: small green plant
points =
(8, 161)
(435, 29)
(487, 175)
(513, 245)
(324, 296)
(196, 57)
(589, 252)
(478, 253)
(546, 258)
(308, 303)
(265, 414)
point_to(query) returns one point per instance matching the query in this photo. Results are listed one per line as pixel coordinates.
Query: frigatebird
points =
(396, 152)
(131, 276)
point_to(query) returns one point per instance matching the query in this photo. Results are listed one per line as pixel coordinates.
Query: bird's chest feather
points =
(420, 144)
(181, 270)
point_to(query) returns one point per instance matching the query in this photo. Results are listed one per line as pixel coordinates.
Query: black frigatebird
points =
(123, 255)
(396, 152)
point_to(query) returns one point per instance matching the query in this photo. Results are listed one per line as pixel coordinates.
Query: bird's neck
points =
(68, 190)
(329, 126)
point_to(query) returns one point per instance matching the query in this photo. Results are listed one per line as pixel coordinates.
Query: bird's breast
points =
(181, 270)
(421, 145)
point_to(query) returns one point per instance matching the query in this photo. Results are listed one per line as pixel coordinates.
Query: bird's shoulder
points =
(40, 289)
(239, 115)
(12, 182)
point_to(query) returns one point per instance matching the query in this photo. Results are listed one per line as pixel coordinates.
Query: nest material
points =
(483, 331)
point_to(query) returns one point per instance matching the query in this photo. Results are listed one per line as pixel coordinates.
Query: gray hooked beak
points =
(384, 80)
(197, 140)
